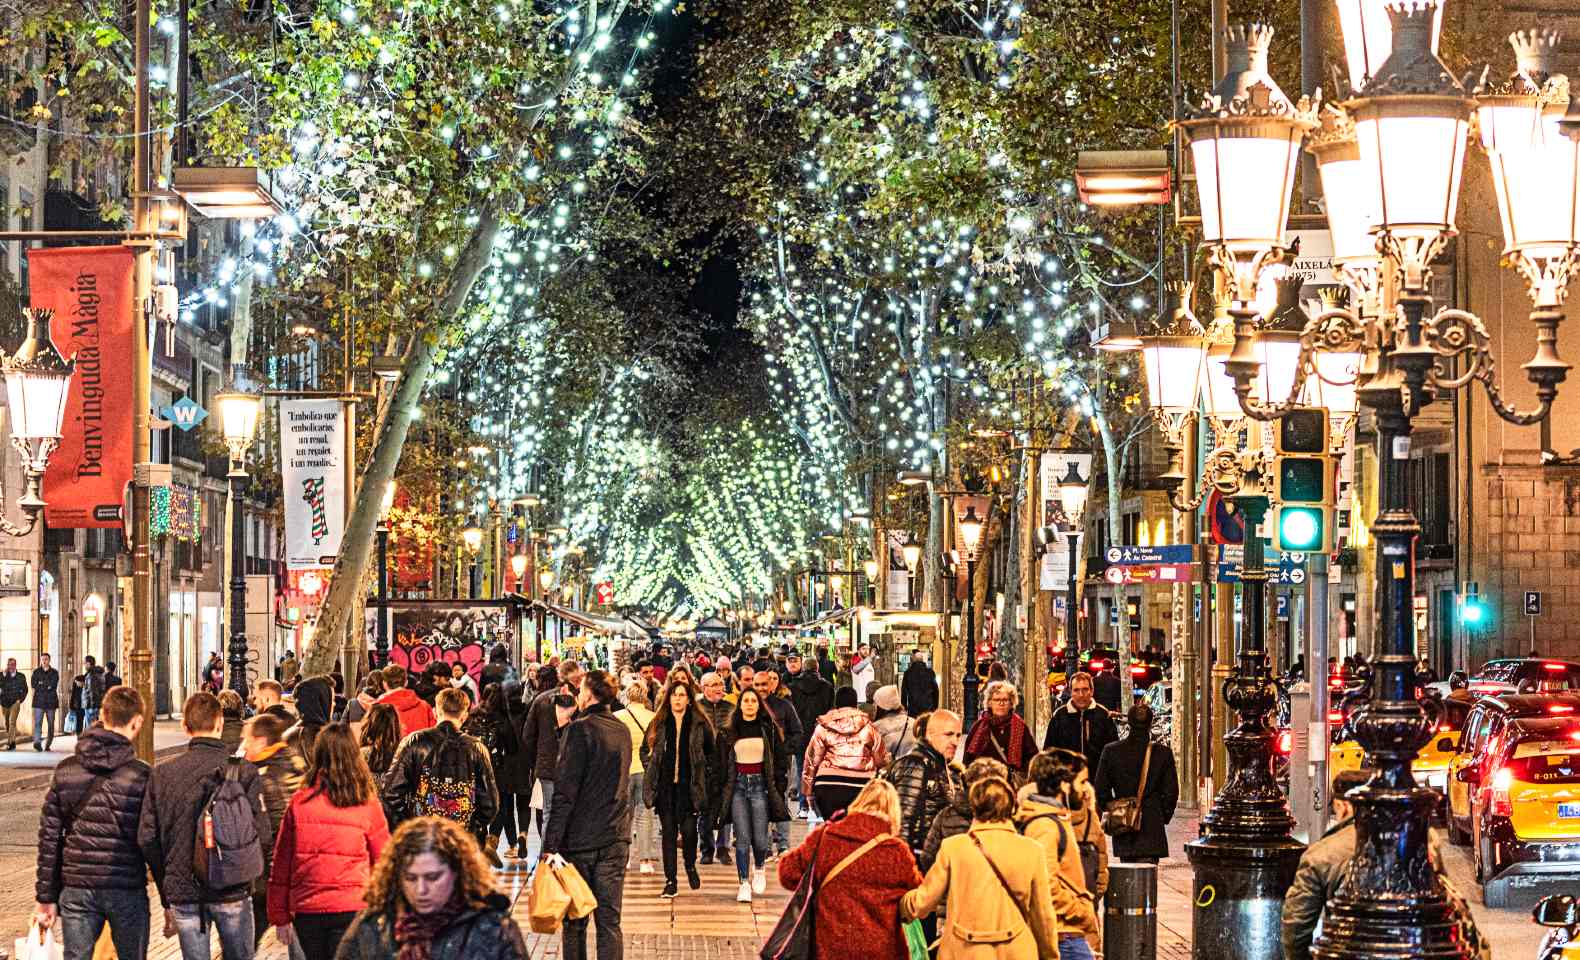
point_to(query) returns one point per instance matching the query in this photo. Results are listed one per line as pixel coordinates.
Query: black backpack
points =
(227, 851)
(447, 785)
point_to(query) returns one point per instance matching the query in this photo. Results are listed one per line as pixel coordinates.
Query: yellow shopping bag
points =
(547, 901)
(582, 900)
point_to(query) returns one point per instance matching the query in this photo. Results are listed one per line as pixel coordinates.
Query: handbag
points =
(795, 934)
(1124, 815)
(915, 940)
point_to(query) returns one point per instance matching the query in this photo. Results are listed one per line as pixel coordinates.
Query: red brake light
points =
(1335, 716)
(1555, 666)
(1286, 742)
(1136, 670)
(1560, 708)
(1441, 727)
(1498, 802)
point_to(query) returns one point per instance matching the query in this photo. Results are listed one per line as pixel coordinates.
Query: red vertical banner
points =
(90, 289)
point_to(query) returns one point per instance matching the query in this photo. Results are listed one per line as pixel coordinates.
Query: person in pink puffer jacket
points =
(843, 755)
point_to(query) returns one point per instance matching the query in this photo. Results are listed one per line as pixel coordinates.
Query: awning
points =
(833, 618)
(616, 626)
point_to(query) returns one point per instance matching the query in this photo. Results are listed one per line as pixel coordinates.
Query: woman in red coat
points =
(858, 911)
(332, 834)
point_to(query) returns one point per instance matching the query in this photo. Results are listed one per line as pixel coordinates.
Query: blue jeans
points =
(1074, 948)
(89, 718)
(645, 844)
(41, 717)
(233, 919)
(548, 798)
(749, 810)
(84, 912)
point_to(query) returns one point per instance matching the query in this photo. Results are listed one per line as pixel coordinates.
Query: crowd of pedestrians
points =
(359, 825)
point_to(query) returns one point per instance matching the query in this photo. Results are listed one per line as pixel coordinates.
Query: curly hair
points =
(446, 840)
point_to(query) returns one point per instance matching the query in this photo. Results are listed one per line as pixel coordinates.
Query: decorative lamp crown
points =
(1246, 46)
(1533, 54)
(1413, 66)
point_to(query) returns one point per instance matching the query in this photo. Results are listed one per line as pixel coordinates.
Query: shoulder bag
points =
(1123, 816)
(795, 934)
(1008, 892)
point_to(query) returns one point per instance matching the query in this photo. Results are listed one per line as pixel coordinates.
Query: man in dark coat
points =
(919, 687)
(90, 867)
(766, 680)
(591, 823)
(1106, 689)
(1081, 725)
(282, 769)
(167, 828)
(498, 669)
(440, 770)
(811, 696)
(46, 700)
(1119, 775)
(13, 690)
(539, 742)
(93, 691)
(826, 666)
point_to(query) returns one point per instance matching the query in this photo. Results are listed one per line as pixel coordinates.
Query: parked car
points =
(1525, 675)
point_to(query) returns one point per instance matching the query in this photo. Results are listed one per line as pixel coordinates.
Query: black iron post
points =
(381, 633)
(237, 653)
(474, 583)
(1072, 622)
(1245, 858)
(971, 681)
(1391, 902)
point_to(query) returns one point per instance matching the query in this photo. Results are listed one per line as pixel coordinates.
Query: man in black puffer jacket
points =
(90, 868)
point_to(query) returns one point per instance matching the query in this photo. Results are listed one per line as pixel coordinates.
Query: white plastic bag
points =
(536, 802)
(39, 944)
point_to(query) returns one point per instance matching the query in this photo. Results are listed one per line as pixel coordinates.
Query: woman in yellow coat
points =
(994, 885)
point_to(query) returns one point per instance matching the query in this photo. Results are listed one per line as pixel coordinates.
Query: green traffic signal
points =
(1472, 610)
(1300, 528)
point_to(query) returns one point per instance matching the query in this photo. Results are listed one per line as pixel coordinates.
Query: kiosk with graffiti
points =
(449, 633)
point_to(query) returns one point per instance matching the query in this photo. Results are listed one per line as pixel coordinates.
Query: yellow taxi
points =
(1486, 722)
(1431, 763)
(1525, 805)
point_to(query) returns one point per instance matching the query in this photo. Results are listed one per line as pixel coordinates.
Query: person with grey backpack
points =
(201, 831)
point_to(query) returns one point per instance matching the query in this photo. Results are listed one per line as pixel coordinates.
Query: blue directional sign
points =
(184, 413)
(1287, 568)
(1122, 556)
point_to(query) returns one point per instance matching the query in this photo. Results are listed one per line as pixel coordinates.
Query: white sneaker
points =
(759, 880)
(646, 867)
(744, 894)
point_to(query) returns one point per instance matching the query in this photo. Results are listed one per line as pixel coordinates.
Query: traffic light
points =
(1472, 609)
(1303, 483)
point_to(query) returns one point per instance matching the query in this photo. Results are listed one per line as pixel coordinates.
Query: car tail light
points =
(1442, 727)
(1555, 667)
(1335, 716)
(1137, 670)
(1286, 741)
(1498, 803)
(1560, 708)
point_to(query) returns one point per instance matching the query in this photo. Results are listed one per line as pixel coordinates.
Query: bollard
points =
(1130, 912)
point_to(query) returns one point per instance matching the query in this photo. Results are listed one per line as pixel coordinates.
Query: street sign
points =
(1182, 553)
(184, 413)
(1150, 573)
(1533, 603)
(604, 592)
(1284, 568)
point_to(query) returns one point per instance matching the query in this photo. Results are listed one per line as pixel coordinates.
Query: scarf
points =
(415, 932)
(1002, 738)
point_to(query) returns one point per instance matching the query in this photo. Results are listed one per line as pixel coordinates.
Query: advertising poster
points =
(897, 587)
(90, 291)
(312, 469)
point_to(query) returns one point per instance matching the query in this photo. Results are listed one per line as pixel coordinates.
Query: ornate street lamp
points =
(870, 568)
(1072, 500)
(1368, 36)
(472, 539)
(37, 379)
(970, 528)
(1245, 140)
(518, 566)
(912, 552)
(238, 418)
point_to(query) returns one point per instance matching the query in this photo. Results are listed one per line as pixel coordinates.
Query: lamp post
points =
(912, 552)
(239, 422)
(1072, 500)
(472, 538)
(870, 568)
(381, 634)
(36, 382)
(970, 527)
(1245, 140)
(545, 583)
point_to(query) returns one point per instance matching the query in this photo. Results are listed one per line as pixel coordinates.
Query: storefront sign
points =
(90, 291)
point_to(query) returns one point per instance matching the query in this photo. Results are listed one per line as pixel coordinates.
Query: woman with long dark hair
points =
(432, 895)
(681, 771)
(754, 766)
(380, 737)
(332, 834)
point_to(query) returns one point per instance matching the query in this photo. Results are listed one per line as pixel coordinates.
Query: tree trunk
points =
(351, 564)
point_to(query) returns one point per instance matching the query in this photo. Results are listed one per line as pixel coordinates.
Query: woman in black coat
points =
(1119, 776)
(681, 775)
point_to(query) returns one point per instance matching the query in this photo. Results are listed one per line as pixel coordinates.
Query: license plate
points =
(1569, 811)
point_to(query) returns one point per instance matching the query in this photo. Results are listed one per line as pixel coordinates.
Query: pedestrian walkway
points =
(25, 768)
